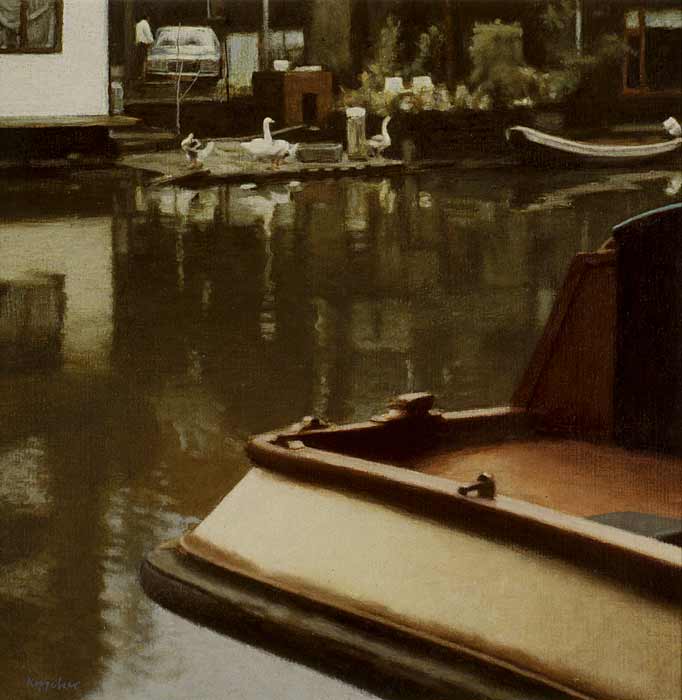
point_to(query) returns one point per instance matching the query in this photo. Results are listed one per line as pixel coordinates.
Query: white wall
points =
(73, 82)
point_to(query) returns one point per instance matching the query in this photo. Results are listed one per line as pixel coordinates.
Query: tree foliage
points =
(499, 67)
(429, 53)
(386, 57)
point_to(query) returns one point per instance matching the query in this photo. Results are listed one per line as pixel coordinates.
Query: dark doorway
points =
(309, 108)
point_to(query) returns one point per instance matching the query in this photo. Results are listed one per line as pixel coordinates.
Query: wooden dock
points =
(68, 122)
(228, 164)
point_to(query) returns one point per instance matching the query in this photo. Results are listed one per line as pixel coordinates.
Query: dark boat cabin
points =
(648, 367)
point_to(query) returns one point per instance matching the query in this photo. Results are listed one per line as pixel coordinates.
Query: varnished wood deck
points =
(578, 478)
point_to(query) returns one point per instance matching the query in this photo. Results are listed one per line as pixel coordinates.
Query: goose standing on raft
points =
(379, 143)
(266, 148)
(196, 151)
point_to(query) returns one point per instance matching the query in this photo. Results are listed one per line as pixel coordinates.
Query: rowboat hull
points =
(538, 148)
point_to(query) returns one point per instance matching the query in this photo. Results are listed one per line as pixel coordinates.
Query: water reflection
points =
(182, 320)
(78, 250)
(31, 321)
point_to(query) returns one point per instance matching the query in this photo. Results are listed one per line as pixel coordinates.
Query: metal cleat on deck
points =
(286, 437)
(309, 423)
(483, 487)
(408, 406)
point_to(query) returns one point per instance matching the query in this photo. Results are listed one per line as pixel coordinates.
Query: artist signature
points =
(52, 684)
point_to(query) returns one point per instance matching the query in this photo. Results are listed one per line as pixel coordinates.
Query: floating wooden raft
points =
(255, 172)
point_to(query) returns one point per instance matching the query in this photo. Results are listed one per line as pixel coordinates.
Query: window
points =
(30, 26)
(287, 45)
(654, 59)
(242, 61)
(216, 9)
(244, 55)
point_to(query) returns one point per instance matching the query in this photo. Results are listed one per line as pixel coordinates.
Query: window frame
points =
(23, 32)
(640, 32)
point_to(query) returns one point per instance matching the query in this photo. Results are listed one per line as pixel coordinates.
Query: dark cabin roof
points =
(648, 371)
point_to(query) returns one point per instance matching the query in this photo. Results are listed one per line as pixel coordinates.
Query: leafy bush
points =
(499, 70)
(594, 73)
(385, 61)
(558, 24)
(369, 96)
(429, 55)
(591, 72)
(500, 76)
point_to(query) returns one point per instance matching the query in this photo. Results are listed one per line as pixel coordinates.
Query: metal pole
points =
(450, 39)
(129, 43)
(579, 26)
(266, 35)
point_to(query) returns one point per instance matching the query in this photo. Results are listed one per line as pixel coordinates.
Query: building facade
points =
(54, 58)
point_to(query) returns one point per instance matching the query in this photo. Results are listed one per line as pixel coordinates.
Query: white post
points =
(579, 26)
(355, 133)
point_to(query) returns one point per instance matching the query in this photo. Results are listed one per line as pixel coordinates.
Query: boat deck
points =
(578, 478)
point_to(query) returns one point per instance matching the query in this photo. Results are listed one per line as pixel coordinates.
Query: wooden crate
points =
(320, 152)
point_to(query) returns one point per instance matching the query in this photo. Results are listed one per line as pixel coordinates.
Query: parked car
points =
(185, 51)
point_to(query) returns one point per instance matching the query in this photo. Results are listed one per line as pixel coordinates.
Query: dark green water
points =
(192, 318)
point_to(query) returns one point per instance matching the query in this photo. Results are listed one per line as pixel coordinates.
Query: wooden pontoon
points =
(539, 148)
(524, 552)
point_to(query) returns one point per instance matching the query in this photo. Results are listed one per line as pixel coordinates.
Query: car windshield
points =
(188, 36)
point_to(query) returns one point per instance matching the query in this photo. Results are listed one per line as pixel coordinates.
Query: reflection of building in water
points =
(268, 207)
(335, 292)
(356, 219)
(31, 321)
(369, 279)
(54, 486)
(267, 318)
(325, 329)
(79, 250)
(186, 408)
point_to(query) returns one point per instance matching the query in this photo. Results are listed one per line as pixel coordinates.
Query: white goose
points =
(379, 143)
(196, 151)
(266, 148)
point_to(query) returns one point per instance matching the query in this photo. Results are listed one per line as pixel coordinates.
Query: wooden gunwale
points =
(642, 561)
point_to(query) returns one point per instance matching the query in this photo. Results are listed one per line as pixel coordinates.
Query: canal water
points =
(145, 333)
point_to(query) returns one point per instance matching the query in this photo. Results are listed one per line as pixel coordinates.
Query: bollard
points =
(355, 133)
(117, 104)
